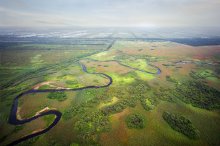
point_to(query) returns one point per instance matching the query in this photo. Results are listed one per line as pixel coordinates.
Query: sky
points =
(110, 13)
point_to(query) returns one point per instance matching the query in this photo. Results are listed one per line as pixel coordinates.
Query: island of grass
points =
(181, 124)
(60, 96)
(135, 121)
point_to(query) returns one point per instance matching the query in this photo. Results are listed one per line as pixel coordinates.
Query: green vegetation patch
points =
(139, 89)
(74, 144)
(60, 96)
(49, 119)
(89, 94)
(135, 121)
(89, 125)
(144, 75)
(139, 64)
(165, 94)
(102, 56)
(148, 103)
(119, 79)
(92, 122)
(202, 74)
(18, 128)
(181, 124)
(29, 142)
(85, 99)
(116, 108)
(199, 95)
(109, 102)
(170, 79)
(44, 87)
(37, 61)
(72, 84)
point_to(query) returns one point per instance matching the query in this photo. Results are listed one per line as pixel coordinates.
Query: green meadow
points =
(180, 105)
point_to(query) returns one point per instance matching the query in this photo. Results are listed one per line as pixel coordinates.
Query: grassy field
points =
(105, 116)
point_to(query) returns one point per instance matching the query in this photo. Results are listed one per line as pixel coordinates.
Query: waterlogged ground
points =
(147, 80)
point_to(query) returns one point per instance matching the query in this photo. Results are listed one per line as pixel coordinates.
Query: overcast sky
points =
(129, 13)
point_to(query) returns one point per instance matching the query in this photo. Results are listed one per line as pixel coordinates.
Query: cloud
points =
(161, 13)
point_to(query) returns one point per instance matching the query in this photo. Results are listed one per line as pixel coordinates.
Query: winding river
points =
(13, 114)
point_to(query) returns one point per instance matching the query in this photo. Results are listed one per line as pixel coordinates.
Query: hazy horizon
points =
(110, 13)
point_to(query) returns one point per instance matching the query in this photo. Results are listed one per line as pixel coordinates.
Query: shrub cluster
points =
(198, 94)
(170, 79)
(60, 96)
(119, 106)
(135, 121)
(181, 124)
